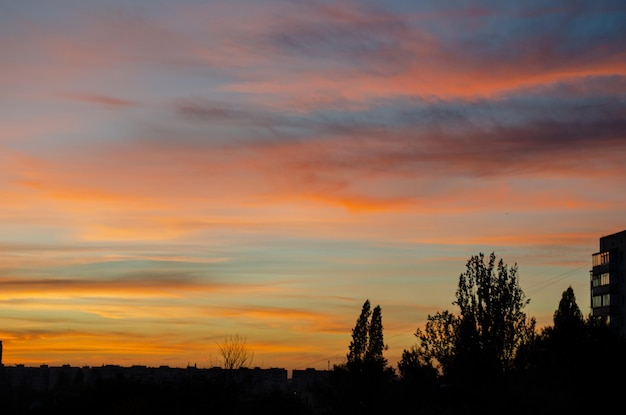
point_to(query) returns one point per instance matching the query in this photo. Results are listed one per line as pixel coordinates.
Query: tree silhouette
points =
(493, 324)
(417, 374)
(480, 342)
(552, 364)
(235, 352)
(361, 384)
(568, 318)
(360, 336)
(437, 341)
(365, 351)
(376, 344)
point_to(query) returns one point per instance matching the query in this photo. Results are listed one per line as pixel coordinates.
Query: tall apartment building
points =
(608, 281)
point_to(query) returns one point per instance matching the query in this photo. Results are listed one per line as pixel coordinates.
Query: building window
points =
(596, 301)
(605, 279)
(601, 300)
(602, 279)
(601, 258)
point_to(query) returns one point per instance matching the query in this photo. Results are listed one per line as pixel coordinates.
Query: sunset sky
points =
(172, 173)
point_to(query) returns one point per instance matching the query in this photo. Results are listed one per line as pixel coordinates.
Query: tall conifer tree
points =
(360, 336)
(376, 344)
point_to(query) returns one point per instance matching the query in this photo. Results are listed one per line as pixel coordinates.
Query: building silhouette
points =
(46, 377)
(608, 282)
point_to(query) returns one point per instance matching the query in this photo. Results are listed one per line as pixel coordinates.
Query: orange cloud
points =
(60, 288)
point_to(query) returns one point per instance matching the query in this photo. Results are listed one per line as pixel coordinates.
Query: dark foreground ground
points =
(125, 396)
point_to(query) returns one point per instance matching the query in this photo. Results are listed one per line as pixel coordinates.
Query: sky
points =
(175, 173)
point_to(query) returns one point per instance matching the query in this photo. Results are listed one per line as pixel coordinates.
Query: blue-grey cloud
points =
(369, 37)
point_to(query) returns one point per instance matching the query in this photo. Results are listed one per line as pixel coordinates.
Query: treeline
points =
(485, 357)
